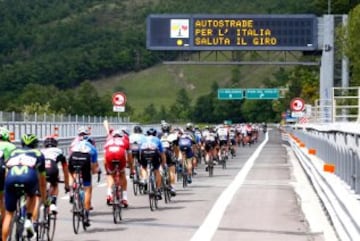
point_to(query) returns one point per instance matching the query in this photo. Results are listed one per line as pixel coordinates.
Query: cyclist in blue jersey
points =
(26, 166)
(84, 154)
(151, 147)
(187, 144)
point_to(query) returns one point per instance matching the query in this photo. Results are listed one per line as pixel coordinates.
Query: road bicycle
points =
(166, 187)
(17, 230)
(148, 155)
(117, 194)
(137, 187)
(78, 208)
(46, 222)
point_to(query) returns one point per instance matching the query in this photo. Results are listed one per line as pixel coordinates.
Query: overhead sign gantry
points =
(232, 32)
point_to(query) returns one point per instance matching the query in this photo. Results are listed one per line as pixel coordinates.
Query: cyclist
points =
(82, 133)
(53, 156)
(84, 154)
(116, 148)
(151, 147)
(210, 140)
(167, 142)
(223, 136)
(232, 137)
(26, 166)
(6, 147)
(187, 144)
(134, 139)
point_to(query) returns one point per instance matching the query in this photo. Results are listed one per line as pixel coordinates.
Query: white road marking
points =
(208, 228)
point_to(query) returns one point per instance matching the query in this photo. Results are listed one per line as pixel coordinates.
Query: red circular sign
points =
(119, 99)
(297, 104)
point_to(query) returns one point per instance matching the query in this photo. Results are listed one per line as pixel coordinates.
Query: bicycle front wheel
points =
(51, 226)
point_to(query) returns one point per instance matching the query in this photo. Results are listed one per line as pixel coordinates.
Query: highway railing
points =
(329, 154)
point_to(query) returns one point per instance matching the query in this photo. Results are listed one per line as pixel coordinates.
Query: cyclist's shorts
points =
(19, 175)
(209, 145)
(2, 175)
(170, 158)
(223, 142)
(84, 161)
(233, 142)
(185, 145)
(52, 172)
(118, 155)
(150, 155)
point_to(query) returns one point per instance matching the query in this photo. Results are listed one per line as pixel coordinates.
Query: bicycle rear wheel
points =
(116, 205)
(152, 192)
(76, 213)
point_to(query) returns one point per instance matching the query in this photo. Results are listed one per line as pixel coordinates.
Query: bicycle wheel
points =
(165, 188)
(152, 192)
(42, 230)
(116, 205)
(76, 212)
(211, 167)
(136, 178)
(51, 226)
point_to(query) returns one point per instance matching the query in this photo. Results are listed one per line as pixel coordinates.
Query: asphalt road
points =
(253, 199)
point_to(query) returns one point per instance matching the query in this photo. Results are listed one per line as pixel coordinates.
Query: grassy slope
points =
(159, 84)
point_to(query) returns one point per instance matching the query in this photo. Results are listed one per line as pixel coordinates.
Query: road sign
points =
(263, 94)
(297, 104)
(230, 94)
(194, 32)
(119, 99)
(118, 108)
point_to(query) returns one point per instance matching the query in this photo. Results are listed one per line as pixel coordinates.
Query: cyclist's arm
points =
(65, 168)
(42, 177)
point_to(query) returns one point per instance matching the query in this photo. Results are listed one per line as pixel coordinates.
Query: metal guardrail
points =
(340, 148)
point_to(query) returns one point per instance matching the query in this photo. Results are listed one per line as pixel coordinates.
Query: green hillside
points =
(159, 84)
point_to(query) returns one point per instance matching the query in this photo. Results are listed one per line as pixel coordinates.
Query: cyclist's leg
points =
(156, 166)
(10, 206)
(122, 178)
(52, 174)
(86, 176)
(109, 179)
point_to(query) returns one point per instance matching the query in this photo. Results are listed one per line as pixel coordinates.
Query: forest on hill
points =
(51, 51)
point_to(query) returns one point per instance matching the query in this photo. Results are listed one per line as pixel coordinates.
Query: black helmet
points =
(50, 142)
(151, 132)
(29, 140)
(137, 129)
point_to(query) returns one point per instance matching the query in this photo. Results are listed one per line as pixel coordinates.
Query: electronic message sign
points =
(232, 32)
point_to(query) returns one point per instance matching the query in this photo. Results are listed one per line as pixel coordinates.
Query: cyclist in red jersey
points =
(116, 148)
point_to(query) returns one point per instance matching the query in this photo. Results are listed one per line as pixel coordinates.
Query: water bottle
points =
(41, 212)
(81, 193)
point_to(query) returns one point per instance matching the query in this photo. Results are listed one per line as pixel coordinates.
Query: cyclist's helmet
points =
(50, 142)
(117, 133)
(165, 127)
(189, 126)
(29, 140)
(83, 131)
(151, 132)
(4, 134)
(137, 129)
